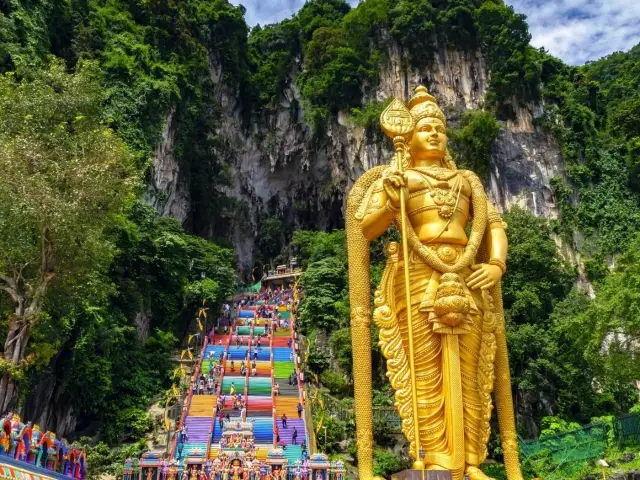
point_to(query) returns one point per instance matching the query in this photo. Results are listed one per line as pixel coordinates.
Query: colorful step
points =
(244, 330)
(197, 429)
(283, 369)
(263, 368)
(195, 449)
(201, 406)
(282, 332)
(259, 386)
(287, 405)
(228, 380)
(237, 353)
(293, 453)
(262, 429)
(286, 434)
(281, 354)
(281, 342)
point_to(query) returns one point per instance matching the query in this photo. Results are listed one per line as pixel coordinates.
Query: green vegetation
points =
(66, 177)
(473, 141)
(600, 198)
(100, 290)
(386, 463)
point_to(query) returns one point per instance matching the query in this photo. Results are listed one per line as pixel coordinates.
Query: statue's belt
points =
(447, 301)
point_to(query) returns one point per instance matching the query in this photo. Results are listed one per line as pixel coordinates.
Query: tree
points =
(473, 141)
(65, 176)
(270, 237)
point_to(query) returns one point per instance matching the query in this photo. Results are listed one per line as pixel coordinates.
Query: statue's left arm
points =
(486, 275)
(496, 239)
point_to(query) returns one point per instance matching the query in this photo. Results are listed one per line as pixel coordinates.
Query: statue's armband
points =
(495, 219)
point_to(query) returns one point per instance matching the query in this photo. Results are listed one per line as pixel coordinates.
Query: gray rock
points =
(280, 167)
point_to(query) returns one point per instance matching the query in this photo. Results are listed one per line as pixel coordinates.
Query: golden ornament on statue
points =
(438, 306)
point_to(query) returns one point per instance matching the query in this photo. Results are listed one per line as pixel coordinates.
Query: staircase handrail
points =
(187, 405)
(296, 366)
(273, 383)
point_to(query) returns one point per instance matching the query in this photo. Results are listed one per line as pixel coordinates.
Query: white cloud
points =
(268, 11)
(574, 30)
(264, 12)
(581, 30)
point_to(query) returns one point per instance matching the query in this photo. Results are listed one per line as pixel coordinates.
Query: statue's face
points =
(429, 141)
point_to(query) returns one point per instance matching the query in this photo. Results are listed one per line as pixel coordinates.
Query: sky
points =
(574, 30)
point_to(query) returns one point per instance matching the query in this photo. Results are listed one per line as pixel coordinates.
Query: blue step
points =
(293, 453)
(190, 447)
(216, 349)
(237, 353)
(262, 429)
(281, 354)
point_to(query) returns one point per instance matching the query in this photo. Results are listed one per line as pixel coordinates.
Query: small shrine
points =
(26, 443)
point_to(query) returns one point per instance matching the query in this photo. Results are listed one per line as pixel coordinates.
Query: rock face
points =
(166, 191)
(46, 407)
(280, 167)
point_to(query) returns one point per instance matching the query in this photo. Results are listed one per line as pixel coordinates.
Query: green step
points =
(283, 369)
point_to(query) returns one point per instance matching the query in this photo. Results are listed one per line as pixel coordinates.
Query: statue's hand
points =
(484, 276)
(393, 182)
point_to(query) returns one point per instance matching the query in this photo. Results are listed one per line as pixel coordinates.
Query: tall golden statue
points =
(445, 351)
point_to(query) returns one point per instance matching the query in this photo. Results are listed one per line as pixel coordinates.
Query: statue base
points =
(417, 475)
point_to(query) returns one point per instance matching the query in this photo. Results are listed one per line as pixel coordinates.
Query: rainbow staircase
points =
(275, 363)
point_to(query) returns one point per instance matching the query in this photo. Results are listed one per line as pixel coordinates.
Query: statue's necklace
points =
(444, 195)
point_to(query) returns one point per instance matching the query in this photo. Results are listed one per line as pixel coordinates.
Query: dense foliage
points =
(341, 50)
(125, 286)
(65, 178)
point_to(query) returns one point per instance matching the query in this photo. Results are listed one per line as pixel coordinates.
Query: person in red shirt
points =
(276, 433)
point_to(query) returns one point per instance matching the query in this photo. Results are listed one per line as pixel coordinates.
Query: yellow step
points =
(202, 405)
(261, 454)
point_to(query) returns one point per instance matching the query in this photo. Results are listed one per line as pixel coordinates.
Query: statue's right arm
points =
(378, 217)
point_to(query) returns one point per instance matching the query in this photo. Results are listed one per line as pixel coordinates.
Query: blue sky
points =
(574, 30)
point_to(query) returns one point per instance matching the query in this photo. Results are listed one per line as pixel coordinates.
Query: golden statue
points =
(444, 352)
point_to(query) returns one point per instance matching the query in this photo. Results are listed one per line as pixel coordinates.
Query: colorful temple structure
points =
(28, 453)
(253, 424)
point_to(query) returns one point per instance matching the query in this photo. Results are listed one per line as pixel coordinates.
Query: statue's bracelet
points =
(391, 208)
(498, 263)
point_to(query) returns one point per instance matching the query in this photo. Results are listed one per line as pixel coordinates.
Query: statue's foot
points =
(474, 473)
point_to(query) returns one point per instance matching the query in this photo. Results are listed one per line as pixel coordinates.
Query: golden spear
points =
(397, 123)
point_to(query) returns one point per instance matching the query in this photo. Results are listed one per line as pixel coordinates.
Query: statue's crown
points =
(424, 105)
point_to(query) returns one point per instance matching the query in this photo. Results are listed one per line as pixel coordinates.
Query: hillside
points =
(235, 139)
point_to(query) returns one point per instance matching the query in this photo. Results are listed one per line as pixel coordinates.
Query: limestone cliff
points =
(280, 167)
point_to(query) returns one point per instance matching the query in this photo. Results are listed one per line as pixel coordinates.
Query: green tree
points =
(324, 283)
(386, 463)
(270, 237)
(65, 177)
(473, 141)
